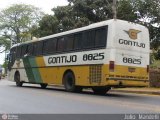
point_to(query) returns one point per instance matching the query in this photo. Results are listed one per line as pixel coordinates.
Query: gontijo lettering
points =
(62, 59)
(131, 43)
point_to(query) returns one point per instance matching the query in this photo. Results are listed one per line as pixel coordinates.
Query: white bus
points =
(112, 53)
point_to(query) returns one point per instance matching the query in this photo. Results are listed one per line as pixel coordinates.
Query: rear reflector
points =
(111, 66)
(131, 69)
(147, 68)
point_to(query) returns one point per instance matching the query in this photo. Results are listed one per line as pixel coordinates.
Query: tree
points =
(126, 10)
(145, 12)
(65, 17)
(77, 13)
(4, 44)
(80, 13)
(85, 12)
(94, 10)
(17, 20)
(154, 37)
(47, 25)
(149, 16)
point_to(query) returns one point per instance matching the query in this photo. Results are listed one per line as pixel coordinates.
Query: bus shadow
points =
(110, 94)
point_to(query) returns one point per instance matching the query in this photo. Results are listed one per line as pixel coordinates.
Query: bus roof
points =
(94, 25)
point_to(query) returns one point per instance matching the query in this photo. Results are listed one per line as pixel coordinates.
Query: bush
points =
(156, 55)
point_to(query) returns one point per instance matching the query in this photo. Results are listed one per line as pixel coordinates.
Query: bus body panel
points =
(54, 75)
(128, 50)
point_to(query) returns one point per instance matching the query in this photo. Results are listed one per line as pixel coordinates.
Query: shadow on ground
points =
(110, 94)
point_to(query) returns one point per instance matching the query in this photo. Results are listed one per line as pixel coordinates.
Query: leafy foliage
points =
(80, 13)
(17, 20)
(48, 25)
(4, 44)
(126, 10)
(76, 14)
(149, 15)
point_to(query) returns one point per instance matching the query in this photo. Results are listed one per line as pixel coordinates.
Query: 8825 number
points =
(95, 56)
(132, 60)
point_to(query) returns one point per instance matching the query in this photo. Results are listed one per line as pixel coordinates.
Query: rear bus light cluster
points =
(147, 68)
(111, 66)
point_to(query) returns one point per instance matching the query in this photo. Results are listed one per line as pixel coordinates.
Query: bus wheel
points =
(17, 80)
(100, 90)
(43, 85)
(69, 83)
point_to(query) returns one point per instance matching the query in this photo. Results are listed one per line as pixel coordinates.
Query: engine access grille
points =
(95, 73)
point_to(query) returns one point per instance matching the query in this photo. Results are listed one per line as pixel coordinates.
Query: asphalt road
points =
(32, 99)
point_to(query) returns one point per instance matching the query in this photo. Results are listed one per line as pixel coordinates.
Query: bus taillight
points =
(147, 68)
(111, 66)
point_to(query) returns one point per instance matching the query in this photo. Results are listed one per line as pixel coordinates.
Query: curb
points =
(137, 92)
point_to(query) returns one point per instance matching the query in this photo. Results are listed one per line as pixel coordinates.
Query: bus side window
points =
(100, 37)
(29, 50)
(69, 42)
(37, 48)
(45, 47)
(9, 61)
(12, 57)
(24, 50)
(77, 41)
(88, 39)
(49, 46)
(61, 44)
(53, 45)
(18, 52)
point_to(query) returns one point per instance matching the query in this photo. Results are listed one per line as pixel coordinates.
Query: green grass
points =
(155, 64)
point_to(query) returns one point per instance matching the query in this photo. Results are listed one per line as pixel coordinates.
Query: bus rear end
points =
(129, 56)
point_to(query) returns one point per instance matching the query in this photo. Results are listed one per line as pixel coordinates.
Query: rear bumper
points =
(131, 79)
(127, 82)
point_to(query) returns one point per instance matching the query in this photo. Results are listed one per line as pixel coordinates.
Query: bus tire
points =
(19, 83)
(43, 85)
(100, 90)
(69, 83)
